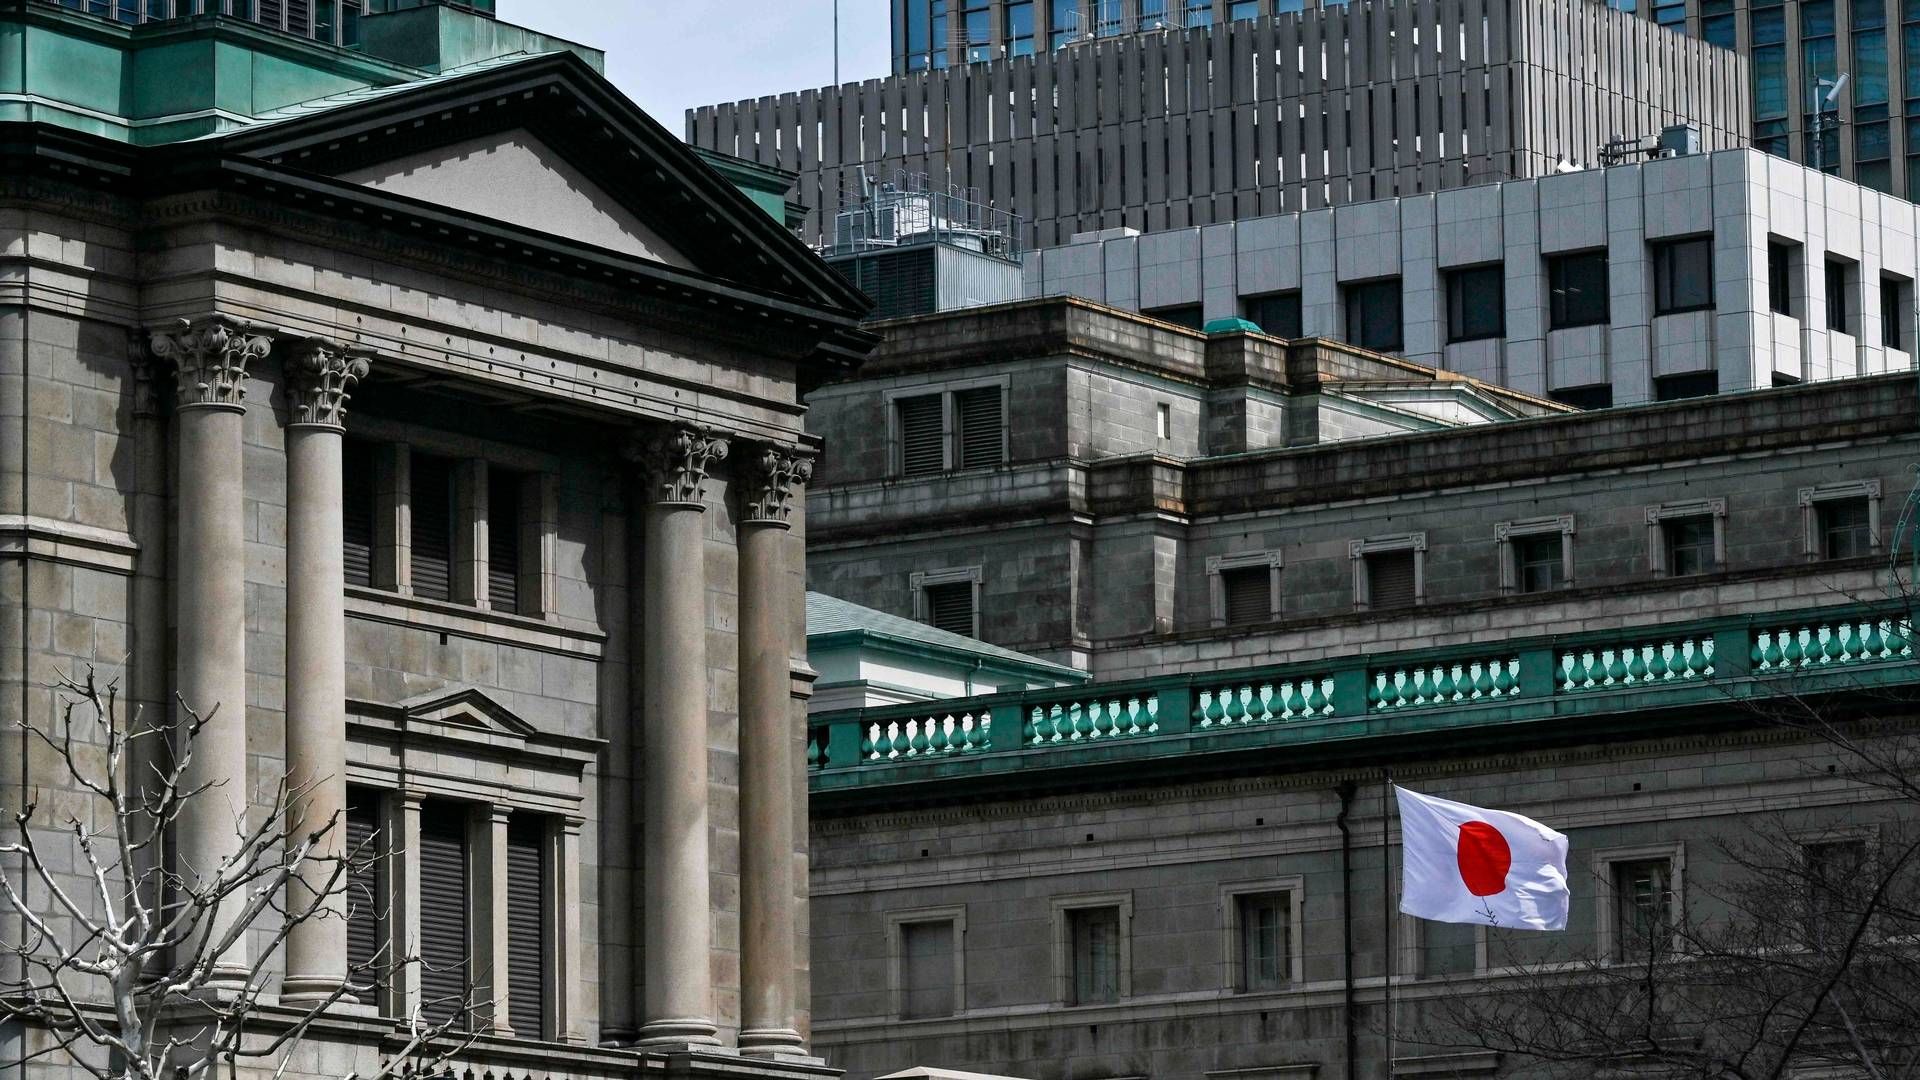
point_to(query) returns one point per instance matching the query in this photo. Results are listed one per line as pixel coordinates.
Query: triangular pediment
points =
(544, 145)
(515, 177)
(464, 707)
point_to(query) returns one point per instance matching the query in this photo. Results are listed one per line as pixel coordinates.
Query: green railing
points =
(1567, 676)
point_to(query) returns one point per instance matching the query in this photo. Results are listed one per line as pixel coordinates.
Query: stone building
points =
(1288, 112)
(531, 609)
(1185, 868)
(1641, 282)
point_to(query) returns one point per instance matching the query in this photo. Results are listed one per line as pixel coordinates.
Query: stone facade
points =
(1209, 763)
(442, 513)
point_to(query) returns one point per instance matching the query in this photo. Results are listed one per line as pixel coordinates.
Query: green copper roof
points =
(829, 616)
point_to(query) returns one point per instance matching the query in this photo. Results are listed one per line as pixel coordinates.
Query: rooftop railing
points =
(1561, 678)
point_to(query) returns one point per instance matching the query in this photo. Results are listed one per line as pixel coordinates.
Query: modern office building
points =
(428, 418)
(1185, 869)
(931, 34)
(1291, 111)
(1639, 282)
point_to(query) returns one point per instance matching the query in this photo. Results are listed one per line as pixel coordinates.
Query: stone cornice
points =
(674, 463)
(770, 475)
(210, 357)
(320, 376)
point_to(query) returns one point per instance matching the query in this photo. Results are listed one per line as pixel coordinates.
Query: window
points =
(1578, 285)
(1536, 553)
(1644, 908)
(1689, 385)
(1277, 314)
(1095, 955)
(444, 888)
(503, 540)
(1245, 587)
(1780, 277)
(1841, 521)
(1476, 303)
(1153, 14)
(923, 448)
(950, 607)
(926, 969)
(1672, 14)
(430, 501)
(1683, 276)
(1717, 23)
(1019, 28)
(948, 599)
(974, 20)
(1373, 314)
(1389, 571)
(1687, 537)
(357, 511)
(1187, 315)
(1837, 306)
(366, 892)
(960, 428)
(1833, 874)
(1896, 305)
(1247, 594)
(1597, 396)
(1266, 941)
(1690, 548)
(1448, 949)
(1063, 25)
(982, 433)
(1163, 420)
(1844, 533)
(1243, 9)
(527, 920)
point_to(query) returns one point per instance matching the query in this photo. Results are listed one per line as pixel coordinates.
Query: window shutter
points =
(922, 436)
(432, 511)
(299, 17)
(1390, 579)
(365, 888)
(982, 433)
(526, 926)
(1249, 594)
(950, 607)
(1096, 955)
(503, 539)
(357, 511)
(443, 911)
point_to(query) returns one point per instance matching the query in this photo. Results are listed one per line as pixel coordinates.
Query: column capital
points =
(320, 376)
(675, 460)
(210, 357)
(770, 473)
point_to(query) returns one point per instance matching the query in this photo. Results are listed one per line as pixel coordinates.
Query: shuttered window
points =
(950, 607)
(982, 427)
(922, 436)
(1390, 579)
(366, 885)
(443, 910)
(503, 539)
(527, 921)
(431, 501)
(1265, 929)
(357, 511)
(1248, 594)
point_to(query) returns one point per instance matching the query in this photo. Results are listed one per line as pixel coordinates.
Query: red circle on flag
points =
(1484, 858)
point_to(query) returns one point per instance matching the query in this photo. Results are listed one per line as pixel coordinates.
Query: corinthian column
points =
(767, 732)
(319, 377)
(679, 980)
(211, 355)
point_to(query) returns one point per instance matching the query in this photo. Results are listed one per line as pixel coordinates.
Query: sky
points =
(670, 55)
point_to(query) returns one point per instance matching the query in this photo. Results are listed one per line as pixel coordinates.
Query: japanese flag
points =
(1462, 864)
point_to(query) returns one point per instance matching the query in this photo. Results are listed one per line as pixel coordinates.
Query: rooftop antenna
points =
(836, 42)
(1829, 103)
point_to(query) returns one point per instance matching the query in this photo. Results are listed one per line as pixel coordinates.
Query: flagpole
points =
(1391, 943)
